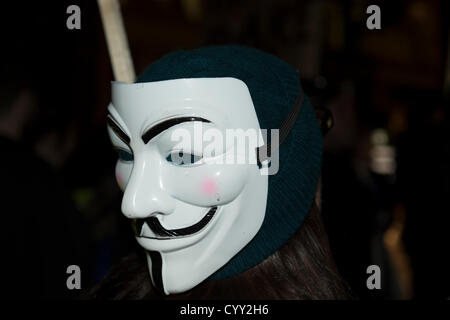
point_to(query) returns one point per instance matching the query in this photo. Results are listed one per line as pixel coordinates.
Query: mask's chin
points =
(176, 257)
(161, 243)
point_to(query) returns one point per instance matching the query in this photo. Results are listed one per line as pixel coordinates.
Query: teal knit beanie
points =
(274, 86)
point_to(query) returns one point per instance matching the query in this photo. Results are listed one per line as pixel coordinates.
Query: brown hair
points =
(303, 268)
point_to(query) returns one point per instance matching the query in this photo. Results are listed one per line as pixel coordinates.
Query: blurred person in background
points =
(42, 232)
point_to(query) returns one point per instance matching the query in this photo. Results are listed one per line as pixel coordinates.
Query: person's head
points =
(202, 205)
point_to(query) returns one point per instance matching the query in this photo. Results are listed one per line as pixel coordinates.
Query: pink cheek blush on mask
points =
(209, 187)
(119, 180)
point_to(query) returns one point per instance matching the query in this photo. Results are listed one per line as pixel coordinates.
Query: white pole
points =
(116, 39)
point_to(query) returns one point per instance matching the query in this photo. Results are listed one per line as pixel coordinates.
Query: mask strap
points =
(264, 152)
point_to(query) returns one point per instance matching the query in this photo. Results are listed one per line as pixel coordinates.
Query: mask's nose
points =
(144, 195)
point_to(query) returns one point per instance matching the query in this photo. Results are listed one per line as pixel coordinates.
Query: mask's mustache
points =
(154, 225)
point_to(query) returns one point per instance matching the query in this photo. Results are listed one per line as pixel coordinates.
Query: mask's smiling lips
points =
(157, 231)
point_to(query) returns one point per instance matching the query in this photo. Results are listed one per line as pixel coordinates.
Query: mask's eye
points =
(181, 158)
(125, 155)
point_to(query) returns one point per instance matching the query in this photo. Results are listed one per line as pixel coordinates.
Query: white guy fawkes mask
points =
(191, 217)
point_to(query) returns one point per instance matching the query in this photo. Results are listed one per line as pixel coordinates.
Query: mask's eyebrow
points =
(117, 130)
(160, 127)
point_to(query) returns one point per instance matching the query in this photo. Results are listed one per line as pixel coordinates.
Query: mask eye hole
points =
(181, 158)
(124, 155)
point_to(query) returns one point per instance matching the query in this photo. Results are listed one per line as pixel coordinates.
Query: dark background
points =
(386, 163)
